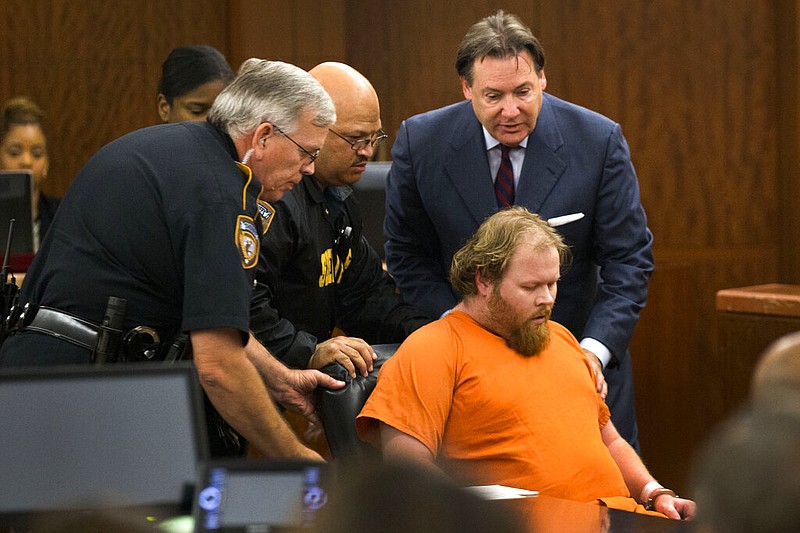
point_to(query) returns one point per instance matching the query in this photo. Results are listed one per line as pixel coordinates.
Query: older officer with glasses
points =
(166, 220)
(317, 271)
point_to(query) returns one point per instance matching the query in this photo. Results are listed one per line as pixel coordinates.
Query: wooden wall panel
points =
(303, 32)
(787, 113)
(665, 385)
(674, 347)
(93, 66)
(697, 107)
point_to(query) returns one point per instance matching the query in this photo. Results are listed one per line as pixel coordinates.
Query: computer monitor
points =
(127, 436)
(242, 496)
(15, 203)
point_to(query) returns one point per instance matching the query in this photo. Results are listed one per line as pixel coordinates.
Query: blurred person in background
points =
(191, 78)
(23, 146)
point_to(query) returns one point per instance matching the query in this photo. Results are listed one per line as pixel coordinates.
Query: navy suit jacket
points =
(439, 190)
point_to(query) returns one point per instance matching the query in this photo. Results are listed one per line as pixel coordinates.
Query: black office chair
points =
(338, 408)
(372, 198)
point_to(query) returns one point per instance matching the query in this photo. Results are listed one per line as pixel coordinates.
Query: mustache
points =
(545, 312)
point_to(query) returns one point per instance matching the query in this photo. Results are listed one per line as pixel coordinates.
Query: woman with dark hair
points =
(23, 146)
(191, 78)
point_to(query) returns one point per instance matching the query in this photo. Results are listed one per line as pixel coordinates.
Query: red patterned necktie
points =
(504, 182)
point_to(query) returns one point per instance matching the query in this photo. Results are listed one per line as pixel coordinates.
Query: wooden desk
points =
(553, 515)
(748, 320)
(773, 299)
(539, 514)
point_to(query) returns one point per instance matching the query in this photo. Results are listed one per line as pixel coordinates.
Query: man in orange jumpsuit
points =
(496, 393)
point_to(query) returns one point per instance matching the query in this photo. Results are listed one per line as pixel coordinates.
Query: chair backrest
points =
(338, 408)
(372, 199)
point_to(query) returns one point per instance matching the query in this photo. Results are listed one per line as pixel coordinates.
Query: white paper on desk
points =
(565, 219)
(500, 492)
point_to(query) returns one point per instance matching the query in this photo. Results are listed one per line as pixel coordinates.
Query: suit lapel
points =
(542, 167)
(467, 166)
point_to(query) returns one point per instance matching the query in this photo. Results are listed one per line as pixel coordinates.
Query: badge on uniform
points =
(247, 240)
(267, 213)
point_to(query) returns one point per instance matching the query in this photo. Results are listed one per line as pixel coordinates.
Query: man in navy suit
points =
(568, 164)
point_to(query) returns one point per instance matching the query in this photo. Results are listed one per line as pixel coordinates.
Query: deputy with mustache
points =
(317, 270)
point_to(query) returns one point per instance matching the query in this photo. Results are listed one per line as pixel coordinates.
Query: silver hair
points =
(270, 91)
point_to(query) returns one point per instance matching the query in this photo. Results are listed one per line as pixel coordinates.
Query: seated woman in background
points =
(23, 146)
(191, 78)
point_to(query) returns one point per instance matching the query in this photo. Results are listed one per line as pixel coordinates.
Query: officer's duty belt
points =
(65, 327)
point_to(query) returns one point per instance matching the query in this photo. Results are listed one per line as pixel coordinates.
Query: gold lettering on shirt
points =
(332, 268)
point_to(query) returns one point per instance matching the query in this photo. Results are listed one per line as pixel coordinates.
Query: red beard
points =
(520, 333)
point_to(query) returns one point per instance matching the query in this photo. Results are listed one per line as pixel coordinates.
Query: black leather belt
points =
(64, 326)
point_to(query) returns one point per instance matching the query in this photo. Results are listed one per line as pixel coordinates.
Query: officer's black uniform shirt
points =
(312, 277)
(162, 217)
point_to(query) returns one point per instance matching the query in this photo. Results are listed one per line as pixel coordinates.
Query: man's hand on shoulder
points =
(597, 367)
(350, 352)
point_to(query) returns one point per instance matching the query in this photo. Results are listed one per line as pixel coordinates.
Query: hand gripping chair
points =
(338, 408)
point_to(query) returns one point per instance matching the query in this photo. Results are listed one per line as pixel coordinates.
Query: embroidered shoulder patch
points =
(247, 240)
(267, 213)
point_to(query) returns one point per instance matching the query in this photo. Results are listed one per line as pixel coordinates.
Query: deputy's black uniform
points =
(314, 274)
(162, 217)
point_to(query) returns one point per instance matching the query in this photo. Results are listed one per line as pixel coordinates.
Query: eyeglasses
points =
(359, 144)
(312, 156)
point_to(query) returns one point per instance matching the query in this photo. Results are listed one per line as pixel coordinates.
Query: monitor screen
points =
(245, 495)
(15, 203)
(85, 437)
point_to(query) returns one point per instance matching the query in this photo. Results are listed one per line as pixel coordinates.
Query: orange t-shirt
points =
(490, 415)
